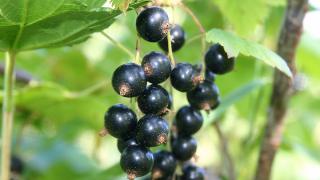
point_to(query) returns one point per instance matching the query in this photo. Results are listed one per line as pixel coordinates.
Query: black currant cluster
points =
(131, 80)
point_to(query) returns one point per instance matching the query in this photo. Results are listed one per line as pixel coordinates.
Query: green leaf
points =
(28, 25)
(245, 15)
(55, 102)
(235, 45)
(240, 13)
(232, 98)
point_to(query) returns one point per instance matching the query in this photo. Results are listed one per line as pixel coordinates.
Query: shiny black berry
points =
(120, 121)
(188, 120)
(184, 77)
(157, 67)
(177, 39)
(192, 172)
(209, 75)
(136, 161)
(16, 165)
(129, 80)
(217, 60)
(153, 24)
(184, 147)
(122, 144)
(154, 100)
(152, 131)
(205, 96)
(164, 165)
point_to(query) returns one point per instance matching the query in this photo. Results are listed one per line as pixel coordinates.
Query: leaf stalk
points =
(7, 114)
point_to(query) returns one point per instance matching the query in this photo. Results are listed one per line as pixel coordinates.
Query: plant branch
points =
(7, 115)
(282, 87)
(170, 53)
(225, 151)
(88, 91)
(194, 38)
(119, 45)
(138, 50)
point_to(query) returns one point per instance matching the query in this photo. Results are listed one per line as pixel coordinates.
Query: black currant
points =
(16, 165)
(177, 39)
(188, 120)
(209, 75)
(184, 77)
(164, 164)
(192, 172)
(152, 131)
(153, 24)
(154, 100)
(122, 144)
(217, 60)
(205, 96)
(129, 80)
(120, 121)
(136, 161)
(184, 147)
(157, 67)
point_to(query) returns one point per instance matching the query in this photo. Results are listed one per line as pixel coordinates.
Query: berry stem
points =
(198, 23)
(88, 91)
(173, 15)
(7, 114)
(170, 54)
(119, 45)
(194, 38)
(138, 50)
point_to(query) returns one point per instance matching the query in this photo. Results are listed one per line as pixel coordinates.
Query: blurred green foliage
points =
(60, 112)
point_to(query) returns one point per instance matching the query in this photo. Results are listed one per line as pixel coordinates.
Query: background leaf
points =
(240, 15)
